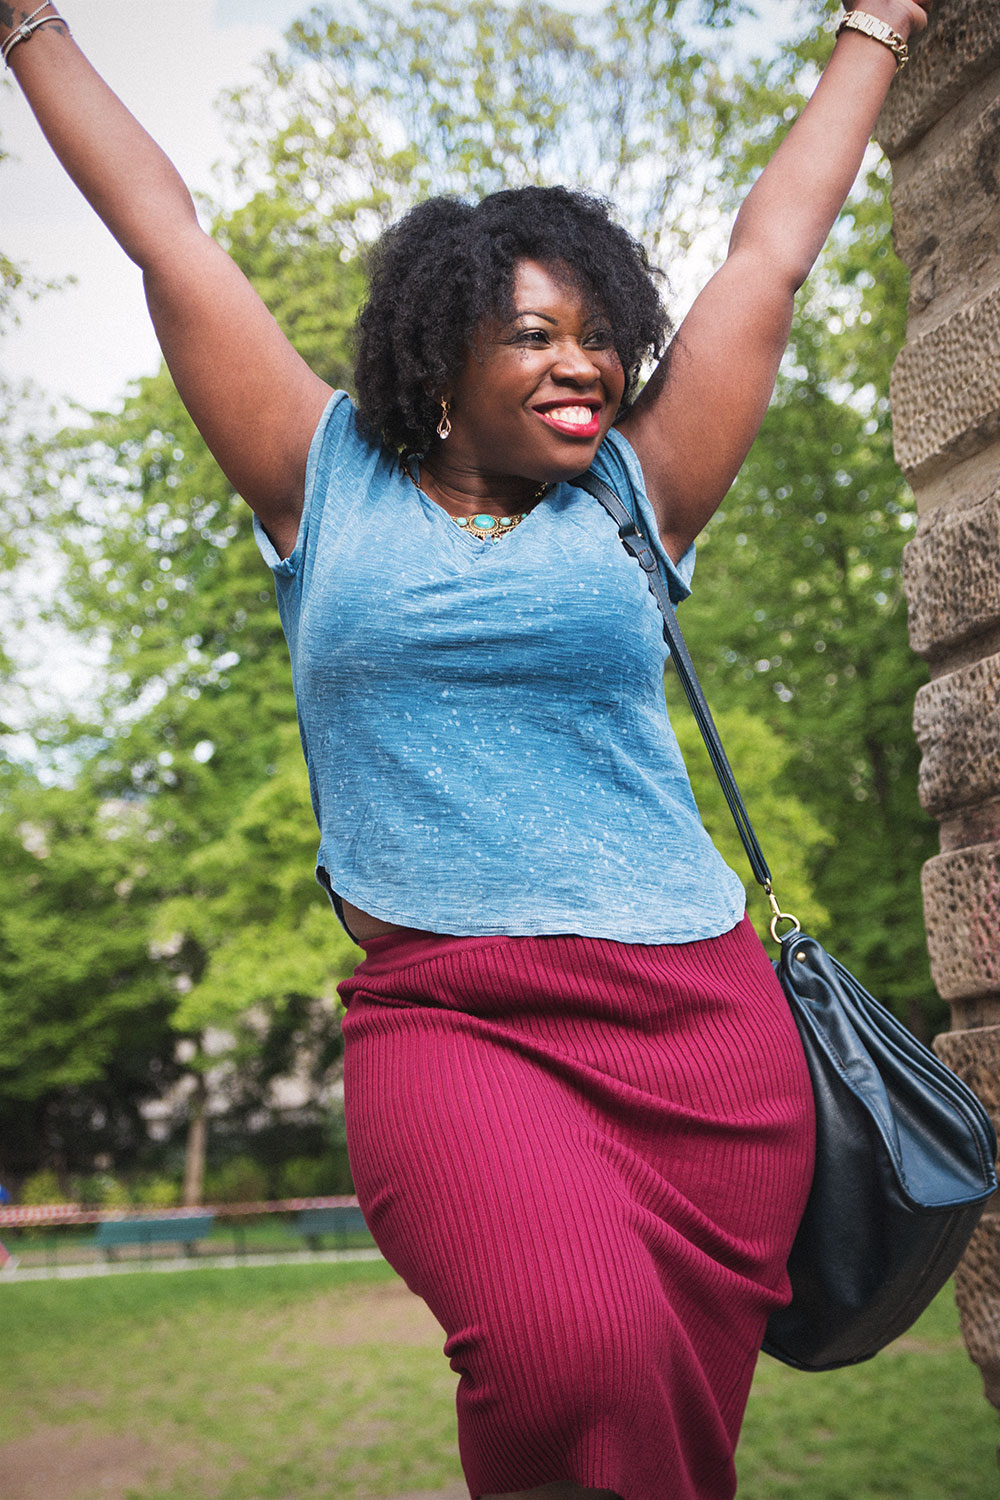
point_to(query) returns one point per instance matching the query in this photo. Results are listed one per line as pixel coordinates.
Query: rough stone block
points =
(946, 214)
(977, 1292)
(951, 573)
(978, 823)
(969, 1014)
(962, 915)
(946, 390)
(975, 1057)
(957, 723)
(961, 46)
(963, 485)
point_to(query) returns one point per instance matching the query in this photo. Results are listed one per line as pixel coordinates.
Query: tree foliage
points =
(85, 1012)
(378, 105)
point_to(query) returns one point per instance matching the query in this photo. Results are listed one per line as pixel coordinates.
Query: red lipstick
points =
(567, 417)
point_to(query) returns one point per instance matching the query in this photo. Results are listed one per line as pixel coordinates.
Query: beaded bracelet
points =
(25, 30)
(879, 31)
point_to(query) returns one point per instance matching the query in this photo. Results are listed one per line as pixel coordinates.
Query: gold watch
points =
(879, 31)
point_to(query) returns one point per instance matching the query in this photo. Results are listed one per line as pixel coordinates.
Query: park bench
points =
(343, 1220)
(180, 1229)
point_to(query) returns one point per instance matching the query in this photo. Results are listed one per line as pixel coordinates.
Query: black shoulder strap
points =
(641, 549)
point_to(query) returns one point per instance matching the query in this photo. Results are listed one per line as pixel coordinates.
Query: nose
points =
(574, 363)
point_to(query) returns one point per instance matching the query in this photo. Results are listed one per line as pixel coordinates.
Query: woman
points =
(579, 1119)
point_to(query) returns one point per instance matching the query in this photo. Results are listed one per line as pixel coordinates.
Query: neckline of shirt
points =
(442, 517)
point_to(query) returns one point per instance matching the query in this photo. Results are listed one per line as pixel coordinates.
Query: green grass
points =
(912, 1424)
(255, 1385)
(323, 1382)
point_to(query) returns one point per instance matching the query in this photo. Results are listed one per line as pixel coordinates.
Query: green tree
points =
(791, 836)
(197, 724)
(377, 106)
(85, 1011)
(27, 416)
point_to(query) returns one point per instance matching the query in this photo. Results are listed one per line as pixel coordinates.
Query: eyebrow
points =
(594, 316)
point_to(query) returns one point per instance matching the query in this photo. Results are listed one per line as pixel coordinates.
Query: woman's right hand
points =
(252, 397)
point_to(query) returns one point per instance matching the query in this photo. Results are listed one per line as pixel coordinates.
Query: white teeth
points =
(578, 415)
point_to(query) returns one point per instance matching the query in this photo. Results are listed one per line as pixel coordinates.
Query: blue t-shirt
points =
(488, 744)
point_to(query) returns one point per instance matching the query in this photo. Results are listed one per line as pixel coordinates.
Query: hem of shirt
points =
(556, 922)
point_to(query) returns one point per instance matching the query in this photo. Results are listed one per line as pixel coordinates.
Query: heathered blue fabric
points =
(488, 745)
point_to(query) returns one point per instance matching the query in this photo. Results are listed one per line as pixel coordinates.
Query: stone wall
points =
(941, 130)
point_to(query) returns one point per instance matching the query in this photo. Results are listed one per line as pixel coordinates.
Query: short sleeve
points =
(617, 463)
(331, 433)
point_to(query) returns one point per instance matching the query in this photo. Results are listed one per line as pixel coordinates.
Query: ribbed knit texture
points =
(589, 1158)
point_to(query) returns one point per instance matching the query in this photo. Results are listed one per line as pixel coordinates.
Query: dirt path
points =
(65, 1463)
(61, 1463)
(456, 1492)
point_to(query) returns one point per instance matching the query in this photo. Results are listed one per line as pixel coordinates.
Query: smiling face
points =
(540, 388)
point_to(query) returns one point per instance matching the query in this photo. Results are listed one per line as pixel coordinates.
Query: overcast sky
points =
(169, 64)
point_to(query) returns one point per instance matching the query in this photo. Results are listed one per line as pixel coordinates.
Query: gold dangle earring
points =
(444, 426)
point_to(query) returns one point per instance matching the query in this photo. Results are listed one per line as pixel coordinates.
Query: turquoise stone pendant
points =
(488, 528)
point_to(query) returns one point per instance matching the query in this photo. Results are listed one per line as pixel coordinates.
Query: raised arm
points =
(694, 422)
(254, 400)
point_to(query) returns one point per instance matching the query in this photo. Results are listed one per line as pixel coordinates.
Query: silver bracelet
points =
(27, 27)
(879, 31)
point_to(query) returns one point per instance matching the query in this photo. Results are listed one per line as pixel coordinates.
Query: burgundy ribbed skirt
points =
(589, 1158)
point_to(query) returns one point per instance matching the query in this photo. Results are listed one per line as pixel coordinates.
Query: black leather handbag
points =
(905, 1152)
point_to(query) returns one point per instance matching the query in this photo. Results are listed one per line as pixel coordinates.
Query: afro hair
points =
(448, 265)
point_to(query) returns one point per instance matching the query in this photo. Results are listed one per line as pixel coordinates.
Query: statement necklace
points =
(484, 527)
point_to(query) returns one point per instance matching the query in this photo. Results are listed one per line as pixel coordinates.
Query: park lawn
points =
(271, 1383)
(911, 1424)
(326, 1382)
